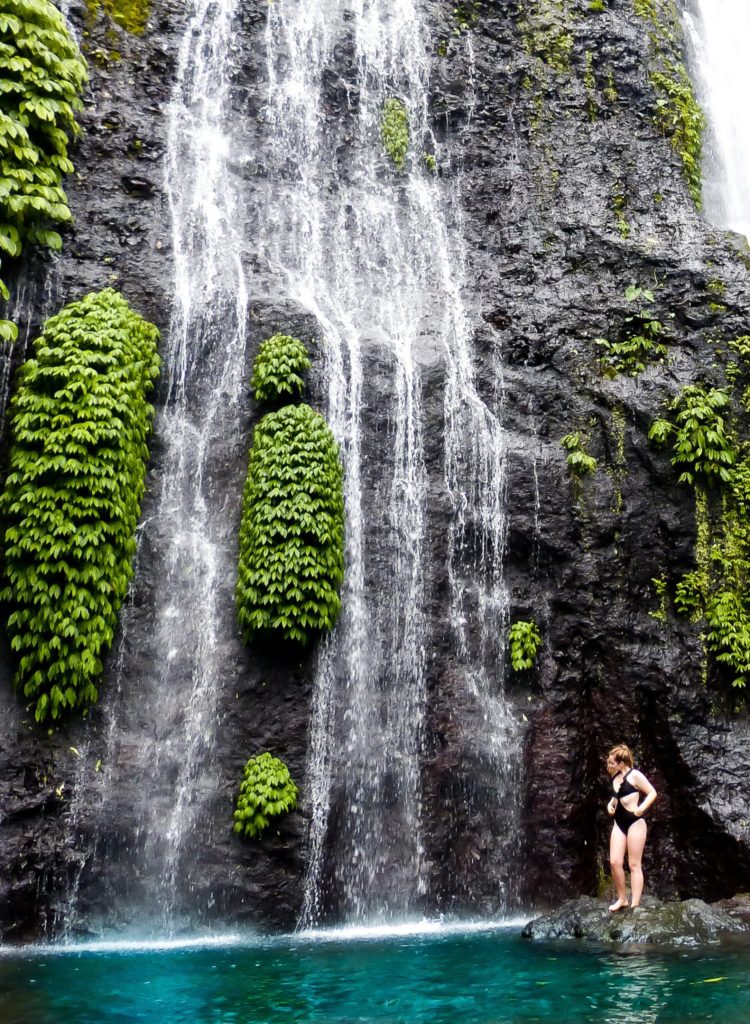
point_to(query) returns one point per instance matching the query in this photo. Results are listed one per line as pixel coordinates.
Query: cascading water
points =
(371, 254)
(719, 31)
(164, 732)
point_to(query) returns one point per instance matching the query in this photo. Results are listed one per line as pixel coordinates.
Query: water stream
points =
(164, 733)
(376, 257)
(429, 975)
(718, 31)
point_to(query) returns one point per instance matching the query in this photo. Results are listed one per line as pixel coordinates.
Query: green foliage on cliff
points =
(702, 444)
(681, 119)
(640, 341)
(645, 9)
(292, 531)
(465, 15)
(279, 367)
(705, 447)
(266, 791)
(717, 591)
(547, 31)
(677, 114)
(131, 15)
(394, 131)
(42, 75)
(79, 424)
(580, 462)
(524, 639)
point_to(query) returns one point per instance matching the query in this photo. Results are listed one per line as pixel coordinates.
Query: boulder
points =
(682, 923)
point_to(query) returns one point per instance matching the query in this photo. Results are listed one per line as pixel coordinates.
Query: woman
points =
(633, 795)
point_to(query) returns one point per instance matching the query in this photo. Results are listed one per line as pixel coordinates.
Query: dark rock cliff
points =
(571, 195)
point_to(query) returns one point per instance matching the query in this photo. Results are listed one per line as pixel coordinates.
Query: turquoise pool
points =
(433, 975)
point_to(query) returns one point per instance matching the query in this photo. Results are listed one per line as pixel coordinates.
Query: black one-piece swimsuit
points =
(624, 818)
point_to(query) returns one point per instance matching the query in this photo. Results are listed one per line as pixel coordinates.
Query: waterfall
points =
(162, 712)
(719, 31)
(376, 257)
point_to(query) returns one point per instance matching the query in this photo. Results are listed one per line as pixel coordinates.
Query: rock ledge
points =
(687, 923)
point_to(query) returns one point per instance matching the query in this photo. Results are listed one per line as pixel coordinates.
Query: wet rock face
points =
(680, 924)
(555, 158)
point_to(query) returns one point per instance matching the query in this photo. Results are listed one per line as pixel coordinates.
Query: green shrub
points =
(42, 75)
(640, 343)
(681, 119)
(524, 639)
(394, 131)
(278, 368)
(266, 791)
(701, 443)
(79, 423)
(292, 531)
(579, 461)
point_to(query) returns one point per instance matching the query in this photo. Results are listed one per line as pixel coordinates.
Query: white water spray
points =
(376, 257)
(165, 731)
(719, 31)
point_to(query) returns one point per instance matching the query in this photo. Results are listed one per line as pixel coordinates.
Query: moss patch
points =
(132, 15)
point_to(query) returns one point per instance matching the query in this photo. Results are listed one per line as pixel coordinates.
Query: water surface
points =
(438, 976)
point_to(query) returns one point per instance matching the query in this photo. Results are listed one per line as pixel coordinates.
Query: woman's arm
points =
(612, 807)
(641, 783)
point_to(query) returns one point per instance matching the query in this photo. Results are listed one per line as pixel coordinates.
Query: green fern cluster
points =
(292, 531)
(394, 131)
(706, 450)
(702, 443)
(42, 75)
(266, 791)
(579, 461)
(641, 340)
(278, 368)
(717, 591)
(680, 117)
(79, 423)
(524, 639)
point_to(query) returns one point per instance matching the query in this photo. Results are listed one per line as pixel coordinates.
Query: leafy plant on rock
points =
(394, 131)
(266, 791)
(132, 15)
(466, 15)
(681, 119)
(278, 368)
(292, 531)
(79, 424)
(42, 75)
(702, 444)
(580, 462)
(524, 639)
(641, 341)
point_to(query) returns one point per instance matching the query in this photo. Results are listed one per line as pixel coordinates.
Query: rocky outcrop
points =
(570, 195)
(679, 924)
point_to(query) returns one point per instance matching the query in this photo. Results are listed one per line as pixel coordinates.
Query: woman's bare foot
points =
(617, 905)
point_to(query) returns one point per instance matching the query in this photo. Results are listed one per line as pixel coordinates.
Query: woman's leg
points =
(617, 847)
(636, 840)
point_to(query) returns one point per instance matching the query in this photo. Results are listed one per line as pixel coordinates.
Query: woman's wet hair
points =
(622, 754)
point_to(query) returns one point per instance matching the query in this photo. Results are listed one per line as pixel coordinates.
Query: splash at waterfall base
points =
(547, 272)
